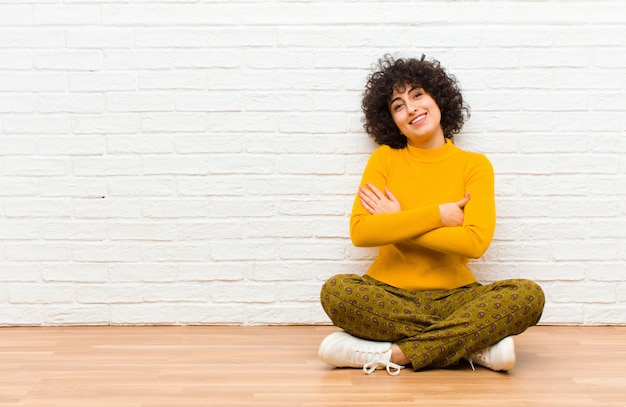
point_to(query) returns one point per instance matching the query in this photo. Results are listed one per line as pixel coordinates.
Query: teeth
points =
(418, 118)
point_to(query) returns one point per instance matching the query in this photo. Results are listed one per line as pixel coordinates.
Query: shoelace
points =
(474, 356)
(392, 368)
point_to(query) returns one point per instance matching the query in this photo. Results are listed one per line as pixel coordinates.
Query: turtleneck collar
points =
(432, 154)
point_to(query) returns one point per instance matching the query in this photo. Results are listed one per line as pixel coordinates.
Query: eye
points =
(396, 107)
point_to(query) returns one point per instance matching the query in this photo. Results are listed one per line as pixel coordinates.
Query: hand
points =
(375, 202)
(452, 213)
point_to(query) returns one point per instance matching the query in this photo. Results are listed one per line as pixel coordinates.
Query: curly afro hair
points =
(390, 74)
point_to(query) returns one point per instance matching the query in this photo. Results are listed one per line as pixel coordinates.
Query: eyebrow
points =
(412, 87)
(393, 100)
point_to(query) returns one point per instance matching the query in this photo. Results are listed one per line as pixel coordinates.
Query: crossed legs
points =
(432, 328)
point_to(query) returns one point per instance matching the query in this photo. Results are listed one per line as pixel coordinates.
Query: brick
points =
(244, 250)
(283, 271)
(19, 272)
(212, 186)
(279, 228)
(273, 185)
(17, 103)
(173, 122)
(36, 166)
(237, 208)
(562, 314)
(208, 59)
(76, 315)
(68, 60)
(332, 249)
(271, 314)
(81, 231)
(144, 314)
(223, 271)
(109, 293)
(176, 292)
(106, 207)
(68, 145)
(255, 292)
(37, 208)
(71, 104)
(229, 122)
(92, 37)
(44, 125)
(74, 273)
(179, 252)
(21, 315)
(603, 314)
(140, 273)
(212, 314)
(105, 124)
(128, 144)
(66, 14)
(182, 162)
(177, 164)
(306, 164)
(74, 187)
(105, 252)
(106, 166)
(139, 102)
(589, 293)
(141, 231)
(170, 14)
(19, 186)
(30, 37)
(16, 60)
(123, 60)
(33, 82)
(175, 208)
(169, 38)
(16, 15)
(102, 81)
(41, 293)
(186, 80)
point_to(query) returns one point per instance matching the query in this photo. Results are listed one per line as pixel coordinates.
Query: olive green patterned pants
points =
(433, 328)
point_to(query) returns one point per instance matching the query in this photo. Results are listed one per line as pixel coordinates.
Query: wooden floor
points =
(278, 366)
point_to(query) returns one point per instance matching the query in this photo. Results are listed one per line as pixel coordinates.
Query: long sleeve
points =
(474, 237)
(377, 230)
(415, 250)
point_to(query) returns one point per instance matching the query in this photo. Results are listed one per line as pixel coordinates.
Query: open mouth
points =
(417, 120)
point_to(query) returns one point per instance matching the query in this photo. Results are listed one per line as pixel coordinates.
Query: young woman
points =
(429, 207)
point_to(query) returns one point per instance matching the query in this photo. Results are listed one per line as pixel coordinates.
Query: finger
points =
(464, 201)
(391, 196)
(366, 194)
(364, 203)
(367, 207)
(375, 190)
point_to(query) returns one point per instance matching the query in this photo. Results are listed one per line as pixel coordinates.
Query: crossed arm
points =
(377, 202)
(454, 231)
(462, 227)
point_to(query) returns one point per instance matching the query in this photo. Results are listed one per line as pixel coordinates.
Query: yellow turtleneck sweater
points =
(416, 251)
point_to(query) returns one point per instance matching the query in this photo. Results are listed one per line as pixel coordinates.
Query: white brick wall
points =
(194, 162)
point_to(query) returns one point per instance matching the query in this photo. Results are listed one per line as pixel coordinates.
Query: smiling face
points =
(418, 116)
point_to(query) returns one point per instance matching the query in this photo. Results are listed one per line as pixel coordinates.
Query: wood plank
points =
(167, 366)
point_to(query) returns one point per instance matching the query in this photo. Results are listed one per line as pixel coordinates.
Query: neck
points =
(435, 142)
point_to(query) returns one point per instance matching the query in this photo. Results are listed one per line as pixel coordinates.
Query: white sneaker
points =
(341, 349)
(500, 356)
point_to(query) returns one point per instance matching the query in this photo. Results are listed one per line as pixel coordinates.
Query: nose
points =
(411, 107)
